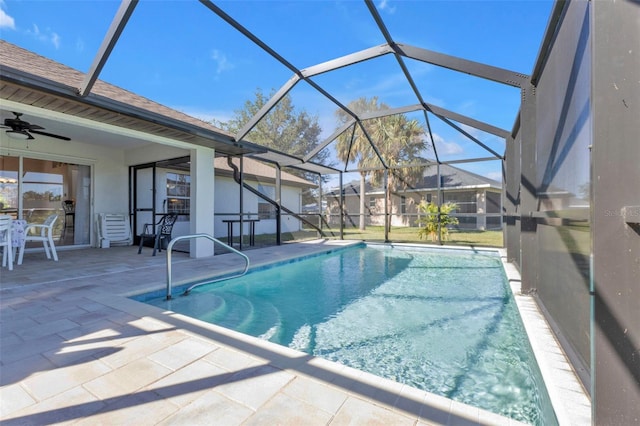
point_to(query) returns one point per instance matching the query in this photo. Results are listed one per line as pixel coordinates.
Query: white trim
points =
(38, 155)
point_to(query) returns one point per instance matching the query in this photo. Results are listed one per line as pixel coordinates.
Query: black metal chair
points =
(159, 232)
(69, 207)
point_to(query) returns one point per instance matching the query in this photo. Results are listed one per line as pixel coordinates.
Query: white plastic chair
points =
(5, 241)
(114, 227)
(45, 236)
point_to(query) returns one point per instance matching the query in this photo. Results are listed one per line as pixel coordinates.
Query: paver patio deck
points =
(75, 350)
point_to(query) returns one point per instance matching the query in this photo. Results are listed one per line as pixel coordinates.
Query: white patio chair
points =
(5, 241)
(45, 235)
(114, 227)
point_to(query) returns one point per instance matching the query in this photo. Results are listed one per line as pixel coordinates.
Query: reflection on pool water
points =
(439, 320)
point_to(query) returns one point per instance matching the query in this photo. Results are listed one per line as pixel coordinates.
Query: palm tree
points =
(399, 141)
(354, 146)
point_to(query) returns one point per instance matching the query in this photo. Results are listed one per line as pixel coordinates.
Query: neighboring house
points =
(478, 199)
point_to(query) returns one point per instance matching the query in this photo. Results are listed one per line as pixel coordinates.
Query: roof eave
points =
(218, 140)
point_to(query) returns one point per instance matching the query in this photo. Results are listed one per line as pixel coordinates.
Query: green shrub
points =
(428, 225)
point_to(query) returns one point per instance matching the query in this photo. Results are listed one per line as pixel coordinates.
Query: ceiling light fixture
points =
(17, 134)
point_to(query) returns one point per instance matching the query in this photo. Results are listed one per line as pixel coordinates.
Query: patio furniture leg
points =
(7, 257)
(45, 243)
(53, 248)
(155, 244)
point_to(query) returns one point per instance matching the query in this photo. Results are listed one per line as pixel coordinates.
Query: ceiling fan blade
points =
(38, 132)
(34, 127)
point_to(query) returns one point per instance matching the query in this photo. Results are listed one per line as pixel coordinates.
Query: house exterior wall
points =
(152, 153)
(470, 202)
(228, 201)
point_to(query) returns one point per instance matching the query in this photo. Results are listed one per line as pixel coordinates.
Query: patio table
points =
(252, 229)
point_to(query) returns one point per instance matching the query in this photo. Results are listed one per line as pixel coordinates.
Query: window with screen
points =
(266, 211)
(178, 195)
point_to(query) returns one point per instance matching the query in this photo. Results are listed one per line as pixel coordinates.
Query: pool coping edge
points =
(570, 402)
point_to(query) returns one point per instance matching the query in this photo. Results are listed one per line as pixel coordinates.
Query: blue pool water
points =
(439, 320)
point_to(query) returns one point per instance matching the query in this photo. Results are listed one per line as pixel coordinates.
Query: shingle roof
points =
(260, 170)
(15, 57)
(451, 177)
(33, 80)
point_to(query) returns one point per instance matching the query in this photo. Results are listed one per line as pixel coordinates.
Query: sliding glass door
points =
(32, 189)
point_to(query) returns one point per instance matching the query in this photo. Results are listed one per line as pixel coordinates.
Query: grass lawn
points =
(407, 235)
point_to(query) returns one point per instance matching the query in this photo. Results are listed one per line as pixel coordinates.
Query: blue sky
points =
(182, 55)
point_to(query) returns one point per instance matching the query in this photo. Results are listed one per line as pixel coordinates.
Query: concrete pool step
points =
(236, 311)
(269, 320)
(199, 305)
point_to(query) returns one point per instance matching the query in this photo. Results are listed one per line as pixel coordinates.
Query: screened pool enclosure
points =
(379, 139)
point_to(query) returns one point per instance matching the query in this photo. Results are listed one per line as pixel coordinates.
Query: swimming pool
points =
(439, 320)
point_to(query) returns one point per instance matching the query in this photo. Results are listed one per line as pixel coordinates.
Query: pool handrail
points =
(215, 240)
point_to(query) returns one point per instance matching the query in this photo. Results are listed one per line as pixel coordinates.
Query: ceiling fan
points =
(20, 129)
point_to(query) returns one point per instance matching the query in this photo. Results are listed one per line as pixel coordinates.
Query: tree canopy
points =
(284, 128)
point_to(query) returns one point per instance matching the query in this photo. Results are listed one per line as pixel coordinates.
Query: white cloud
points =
(222, 62)
(444, 147)
(471, 130)
(55, 39)
(449, 148)
(6, 21)
(384, 5)
(46, 36)
(495, 176)
(80, 45)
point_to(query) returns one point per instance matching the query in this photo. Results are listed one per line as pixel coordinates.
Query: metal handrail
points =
(209, 237)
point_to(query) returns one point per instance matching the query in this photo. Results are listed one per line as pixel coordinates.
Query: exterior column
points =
(511, 198)
(481, 210)
(202, 201)
(528, 191)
